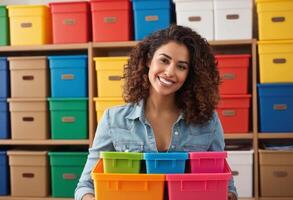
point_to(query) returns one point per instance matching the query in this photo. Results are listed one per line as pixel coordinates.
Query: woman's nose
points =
(169, 71)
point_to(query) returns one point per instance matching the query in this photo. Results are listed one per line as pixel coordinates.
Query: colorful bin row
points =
(36, 173)
(205, 186)
(216, 19)
(33, 119)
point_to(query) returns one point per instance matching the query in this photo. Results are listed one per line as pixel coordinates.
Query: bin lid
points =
(166, 156)
(68, 104)
(3, 11)
(3, 158)
(3, 63)
(275, 89)
(28, 10)
(151, 4)
(68, 158)
(208, 154)
(69, 7)
(103, 5)
(121, 155)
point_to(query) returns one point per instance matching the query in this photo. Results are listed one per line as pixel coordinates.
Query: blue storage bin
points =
(4, 78)
(4, 119)
(165, 163)
(150, 16)
(68, 76)
(4, 184)
(276, 107)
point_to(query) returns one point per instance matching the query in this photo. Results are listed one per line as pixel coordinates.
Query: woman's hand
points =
(88, 197)
(232, 196)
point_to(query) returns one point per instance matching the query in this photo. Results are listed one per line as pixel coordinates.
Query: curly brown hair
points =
(199, 95)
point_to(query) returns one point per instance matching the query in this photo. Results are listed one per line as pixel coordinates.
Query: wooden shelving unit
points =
(44, 142)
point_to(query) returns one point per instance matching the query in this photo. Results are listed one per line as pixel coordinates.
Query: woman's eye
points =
(165, 61)
(182, 67)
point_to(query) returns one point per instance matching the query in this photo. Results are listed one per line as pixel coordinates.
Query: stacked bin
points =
(31, 22)
(28, 103)
(68, 102)
(4, 189)
(275, 92)
(4, 94)
(150, 16)
(4, 31)
(70, 22)
(109, 75)
(66, 168)
(110, 17)
(234, 105)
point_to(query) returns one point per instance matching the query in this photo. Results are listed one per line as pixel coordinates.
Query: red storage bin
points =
(203, 186)
(234, 73)
(70, 22)
(233, 111)
(111, 20)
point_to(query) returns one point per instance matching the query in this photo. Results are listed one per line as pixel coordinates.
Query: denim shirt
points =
(124, 128)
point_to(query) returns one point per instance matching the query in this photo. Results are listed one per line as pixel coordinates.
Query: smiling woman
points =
(171, 87)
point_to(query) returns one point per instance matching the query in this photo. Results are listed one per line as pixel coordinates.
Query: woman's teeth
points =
(164, 81)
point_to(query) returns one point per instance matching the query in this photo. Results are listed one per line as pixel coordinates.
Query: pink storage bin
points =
(203, 186)
(207, 162)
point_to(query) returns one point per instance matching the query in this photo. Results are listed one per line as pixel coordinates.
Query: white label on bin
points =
(228, 76)
(69, 176)
(110, 20)
(68, 119)
(69, 21)
(229, 113)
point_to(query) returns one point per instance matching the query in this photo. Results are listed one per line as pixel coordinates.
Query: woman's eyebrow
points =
(169, 57)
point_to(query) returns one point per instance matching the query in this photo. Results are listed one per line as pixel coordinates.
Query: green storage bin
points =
(66, 168)
(122, 162)
(4, 28)
(69, 118)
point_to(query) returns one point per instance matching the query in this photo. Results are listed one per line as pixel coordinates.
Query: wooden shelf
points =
(127, 44)
(275, 198)
(275, 135)
(238, 136)
(47, 47)
(32, 198)
(231, 42)
(44, 142)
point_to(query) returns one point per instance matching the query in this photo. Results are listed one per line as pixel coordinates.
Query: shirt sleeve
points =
(102, 142)
(218, 144)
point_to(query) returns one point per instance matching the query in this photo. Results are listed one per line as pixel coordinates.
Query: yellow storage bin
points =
(30, 25)
(276, 61)
(275, 19)
(109, 74)
(103, 103)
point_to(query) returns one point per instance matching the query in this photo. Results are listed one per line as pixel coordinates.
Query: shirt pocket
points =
(128, 146)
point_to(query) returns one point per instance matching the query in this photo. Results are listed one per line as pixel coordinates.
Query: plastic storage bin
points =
(203, 186)
(29, 119)
(276, 173)
(276, 61)
(4, 78)
(69, 76)
(127, 186)
(70, 22)
(276, 107)
(233, 111)
(241, 164)
(32, 22)
(104, 103)
(4, 184)
(233, 19)
(165, 163)
(4, 119)
(111, 20)
(66, 168)
(29, 77)
(234, 73)
(4, 31)
(69, 118)
(207, 162)
(29, 173)
(197, 15)
(150, 16)
(109, 75)
(121, 162)
(275, 19)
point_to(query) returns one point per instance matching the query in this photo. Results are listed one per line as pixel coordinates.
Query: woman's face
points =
(169, 68)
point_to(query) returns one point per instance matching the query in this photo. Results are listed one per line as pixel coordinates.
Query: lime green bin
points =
(121, 162)
(4, 27)
(66, 168)
(69, 118)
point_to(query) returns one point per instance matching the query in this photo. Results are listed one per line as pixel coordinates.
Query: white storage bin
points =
(241, 164)
(233, 19)
(196, 14)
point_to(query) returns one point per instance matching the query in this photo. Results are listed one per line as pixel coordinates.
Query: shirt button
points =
(176, 133)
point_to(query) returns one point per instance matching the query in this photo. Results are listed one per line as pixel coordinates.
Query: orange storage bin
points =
(127, 186)
(70, 21)
(233, 111)
(111, 20)
(234, 73)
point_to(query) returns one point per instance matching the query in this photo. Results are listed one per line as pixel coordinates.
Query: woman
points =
(171, 87)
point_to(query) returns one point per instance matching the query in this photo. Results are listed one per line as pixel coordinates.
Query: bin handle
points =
(279, 60)
(114, 78)
(118, 183)
(194, 18)
(232, 16)
(26, 25)
(28, 119)
(68, 119)
(193, 189)
(69, 21)
(28, 77)
(235, 173)
(28, 175)
(67, 76)
(151, 18)
(228, 113)
(280, 174)
(278, 19)
(280, 106)
(228, 76)
(68, 176)
(110, 20)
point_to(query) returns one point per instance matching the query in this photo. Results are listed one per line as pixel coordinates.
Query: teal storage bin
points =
(150, 16)
(165, 163)
(69, 76)
(66, 168)
(122, 162)
(69, 118)
(4, 24)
